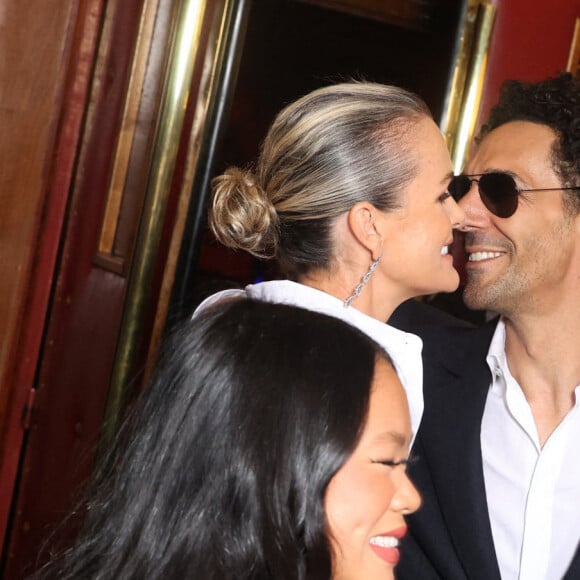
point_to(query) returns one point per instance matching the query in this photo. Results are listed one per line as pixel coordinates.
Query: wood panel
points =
(86, 304)
(113, 170)
(113, 167)
(34, 55)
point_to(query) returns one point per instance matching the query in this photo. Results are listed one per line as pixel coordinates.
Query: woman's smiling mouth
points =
(385, 546)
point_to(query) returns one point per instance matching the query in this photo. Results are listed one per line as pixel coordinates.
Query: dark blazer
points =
(450, 536)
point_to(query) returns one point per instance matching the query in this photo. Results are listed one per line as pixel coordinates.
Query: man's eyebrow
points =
(392, 436)
(447, 177)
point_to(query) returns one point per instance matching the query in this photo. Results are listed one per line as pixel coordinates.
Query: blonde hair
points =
(324, 153)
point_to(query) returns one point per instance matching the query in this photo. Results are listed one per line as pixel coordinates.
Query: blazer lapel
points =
(456, 401)
(573, 572)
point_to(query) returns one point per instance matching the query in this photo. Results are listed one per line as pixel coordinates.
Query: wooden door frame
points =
(25, 343)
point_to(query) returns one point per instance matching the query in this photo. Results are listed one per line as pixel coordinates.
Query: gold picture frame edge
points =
(573, 65)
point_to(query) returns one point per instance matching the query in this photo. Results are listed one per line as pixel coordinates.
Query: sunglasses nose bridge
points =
(473, 203)
(480, 190)
(467, 186)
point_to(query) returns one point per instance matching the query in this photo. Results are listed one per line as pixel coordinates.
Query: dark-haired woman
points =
(350, 195)
(271, 445)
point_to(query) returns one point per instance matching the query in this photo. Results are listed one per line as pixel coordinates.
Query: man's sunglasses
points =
(498, 191)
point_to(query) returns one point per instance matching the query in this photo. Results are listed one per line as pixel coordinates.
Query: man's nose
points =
(474, 209)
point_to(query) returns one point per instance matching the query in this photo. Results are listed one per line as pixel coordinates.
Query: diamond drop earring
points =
(362, 283)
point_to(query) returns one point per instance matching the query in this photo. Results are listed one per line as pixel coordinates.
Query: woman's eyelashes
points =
(392, 462)
(397, 462)
(445, 195)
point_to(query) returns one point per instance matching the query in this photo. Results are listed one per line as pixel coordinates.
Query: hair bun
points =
(241, 216)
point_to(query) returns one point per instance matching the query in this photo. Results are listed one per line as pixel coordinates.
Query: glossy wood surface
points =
(36, 129)
(79, 336)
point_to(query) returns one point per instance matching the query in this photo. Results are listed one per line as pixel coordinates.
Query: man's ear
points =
(364, 223)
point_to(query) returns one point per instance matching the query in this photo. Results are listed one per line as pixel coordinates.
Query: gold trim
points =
(186, 45)
(574, 57)
(473, 86)
(450, 117)
(219, 43)
(185, 194)
(127, 132)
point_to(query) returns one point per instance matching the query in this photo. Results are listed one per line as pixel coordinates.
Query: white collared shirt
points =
(533, 493)
(404, 348)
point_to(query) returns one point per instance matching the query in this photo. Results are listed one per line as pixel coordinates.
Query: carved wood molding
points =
(118, 226)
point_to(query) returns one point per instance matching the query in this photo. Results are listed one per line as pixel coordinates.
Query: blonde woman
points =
(350, 195)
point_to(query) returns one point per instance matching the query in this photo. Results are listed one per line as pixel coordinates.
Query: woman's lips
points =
(389, 555)
(385, 546)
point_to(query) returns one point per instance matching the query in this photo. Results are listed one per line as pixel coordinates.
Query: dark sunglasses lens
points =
(459, 186)
(499, 193)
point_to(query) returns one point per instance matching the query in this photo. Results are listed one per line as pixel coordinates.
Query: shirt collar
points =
(288, 292)
(498, 365)
(496, 358)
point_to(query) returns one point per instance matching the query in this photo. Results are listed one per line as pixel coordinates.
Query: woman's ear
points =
(364, 223)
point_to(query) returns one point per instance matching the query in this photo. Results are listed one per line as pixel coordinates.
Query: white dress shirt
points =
(533, 493)
(404, 348)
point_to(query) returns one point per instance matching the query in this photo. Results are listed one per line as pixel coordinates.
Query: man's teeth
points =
(384, 541)
(444, 250)
(478, 256)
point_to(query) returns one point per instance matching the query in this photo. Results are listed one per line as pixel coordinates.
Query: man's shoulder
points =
(440, 331)
(425, 320)
(415, 311)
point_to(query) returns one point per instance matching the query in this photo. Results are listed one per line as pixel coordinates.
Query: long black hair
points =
(254, 407)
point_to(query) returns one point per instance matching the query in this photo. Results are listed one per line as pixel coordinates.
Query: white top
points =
(404, 348)
(533, 493)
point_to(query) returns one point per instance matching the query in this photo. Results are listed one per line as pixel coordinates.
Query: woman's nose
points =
(456, 214)
(407, 499)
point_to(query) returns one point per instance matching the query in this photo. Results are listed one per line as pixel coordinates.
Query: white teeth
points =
(384, 541)
(478, 256)
(444, 250)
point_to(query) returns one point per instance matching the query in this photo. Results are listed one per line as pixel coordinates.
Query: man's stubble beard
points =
(502, 295)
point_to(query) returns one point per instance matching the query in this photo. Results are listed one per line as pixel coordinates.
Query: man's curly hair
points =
(554, 102)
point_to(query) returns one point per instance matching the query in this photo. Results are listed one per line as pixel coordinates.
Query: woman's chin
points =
(451, 282)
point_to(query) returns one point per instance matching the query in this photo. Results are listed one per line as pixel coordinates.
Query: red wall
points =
(531, 40)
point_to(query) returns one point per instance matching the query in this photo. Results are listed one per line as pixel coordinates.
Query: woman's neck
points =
(373, 301)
